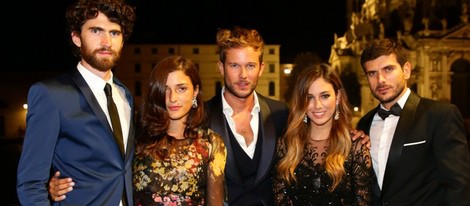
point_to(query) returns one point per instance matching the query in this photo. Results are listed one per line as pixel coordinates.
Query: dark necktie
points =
(114, 116)
(395, 110)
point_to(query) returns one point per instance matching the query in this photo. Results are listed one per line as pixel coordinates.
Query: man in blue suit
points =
(69, 128)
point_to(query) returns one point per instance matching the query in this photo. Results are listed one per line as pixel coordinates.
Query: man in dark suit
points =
(69, 126)
(248, 122)
(419, 153)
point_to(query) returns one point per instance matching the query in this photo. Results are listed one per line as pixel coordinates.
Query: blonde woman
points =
(318, 163)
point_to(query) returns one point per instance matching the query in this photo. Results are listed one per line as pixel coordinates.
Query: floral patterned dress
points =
(313, 182)
(192, 174)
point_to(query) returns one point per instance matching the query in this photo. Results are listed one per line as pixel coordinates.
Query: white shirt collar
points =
(92, 80)
(228, 109)
(402, 99)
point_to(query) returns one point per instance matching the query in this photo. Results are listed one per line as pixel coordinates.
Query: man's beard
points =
(234, 92)
(103, 64)
(394, 97)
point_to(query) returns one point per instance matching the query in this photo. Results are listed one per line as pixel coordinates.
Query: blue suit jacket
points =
(68, 131)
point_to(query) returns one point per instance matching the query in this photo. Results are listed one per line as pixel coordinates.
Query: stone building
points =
(436, 35)
(138, 60)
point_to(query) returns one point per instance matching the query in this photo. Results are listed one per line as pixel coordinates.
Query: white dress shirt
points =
(96, 85)
(254, 123)
(381, 136)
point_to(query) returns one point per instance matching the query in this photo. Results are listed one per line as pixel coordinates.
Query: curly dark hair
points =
(116, 10)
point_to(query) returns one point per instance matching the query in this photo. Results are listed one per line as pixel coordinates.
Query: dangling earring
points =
(305, 118)
(337, 112)
(194, 102)
(337, 105)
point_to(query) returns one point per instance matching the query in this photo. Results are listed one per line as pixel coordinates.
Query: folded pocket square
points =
(414, 143)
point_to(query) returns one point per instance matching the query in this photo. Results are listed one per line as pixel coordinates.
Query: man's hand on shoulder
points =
(360, 134)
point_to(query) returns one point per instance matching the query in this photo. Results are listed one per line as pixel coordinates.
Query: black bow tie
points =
(395, 110)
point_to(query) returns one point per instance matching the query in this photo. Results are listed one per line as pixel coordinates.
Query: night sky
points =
(34, 35)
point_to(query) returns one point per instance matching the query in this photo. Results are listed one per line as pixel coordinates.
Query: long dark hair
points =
(152, 137)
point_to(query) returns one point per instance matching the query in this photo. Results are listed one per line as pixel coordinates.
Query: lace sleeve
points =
(215, 175)
(362, 173)
(280, 185)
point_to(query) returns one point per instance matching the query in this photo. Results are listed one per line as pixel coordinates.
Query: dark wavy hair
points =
(116, 10)
(152, 136)
(380, 47)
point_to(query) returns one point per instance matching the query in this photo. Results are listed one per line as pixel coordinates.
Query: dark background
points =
(33, 38)
(34, 35)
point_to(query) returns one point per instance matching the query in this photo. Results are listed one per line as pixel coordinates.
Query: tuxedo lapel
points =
(269, 139)
(403, 129)
(218, 124)
(366, 121)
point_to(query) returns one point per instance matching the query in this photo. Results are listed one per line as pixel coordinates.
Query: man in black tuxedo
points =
(419, 153)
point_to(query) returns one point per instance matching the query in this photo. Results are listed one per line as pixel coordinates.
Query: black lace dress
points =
(313, 182)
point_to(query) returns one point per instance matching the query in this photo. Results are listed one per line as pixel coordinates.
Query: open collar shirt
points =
(254, 123)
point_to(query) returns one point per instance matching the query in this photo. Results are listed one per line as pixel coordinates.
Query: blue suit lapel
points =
(95, 106)
(130, 99)
(404, 126)
(129, 96)
(91, 100)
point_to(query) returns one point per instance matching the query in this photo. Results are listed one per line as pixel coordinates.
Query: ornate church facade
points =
(436, 35)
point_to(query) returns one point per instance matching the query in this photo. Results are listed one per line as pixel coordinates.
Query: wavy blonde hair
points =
(239, 37)
(297, 134)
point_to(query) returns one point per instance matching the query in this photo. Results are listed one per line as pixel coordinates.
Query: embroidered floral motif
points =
(181, 178)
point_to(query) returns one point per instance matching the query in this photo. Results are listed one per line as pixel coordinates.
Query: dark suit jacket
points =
(68, 131)
(435, 170)
(274, 117)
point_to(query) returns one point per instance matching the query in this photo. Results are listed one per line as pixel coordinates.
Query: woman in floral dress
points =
(177, 161)
(318, 162)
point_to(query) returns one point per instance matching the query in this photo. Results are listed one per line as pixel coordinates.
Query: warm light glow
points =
(25, 106)
(356, 109)
(287, 71)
